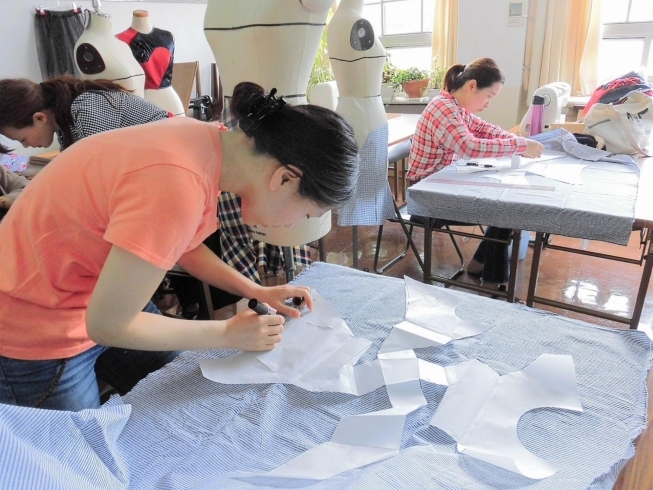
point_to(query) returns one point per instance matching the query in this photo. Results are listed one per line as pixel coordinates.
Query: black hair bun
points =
(244, 96)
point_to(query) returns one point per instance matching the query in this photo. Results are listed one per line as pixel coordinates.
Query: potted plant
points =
(436, 78)
(412, 80)
(388, 87)
(321, 71)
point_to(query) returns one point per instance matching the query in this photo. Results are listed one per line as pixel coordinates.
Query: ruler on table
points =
(492, 184)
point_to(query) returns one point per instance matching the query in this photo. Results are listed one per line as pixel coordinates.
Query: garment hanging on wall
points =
(56, 33)
(154, 51)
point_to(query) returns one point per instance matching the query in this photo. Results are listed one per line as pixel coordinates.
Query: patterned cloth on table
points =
(184, 431)
(372, 204)
(238, 250)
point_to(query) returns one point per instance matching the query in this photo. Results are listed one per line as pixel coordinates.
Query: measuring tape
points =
(492, 184)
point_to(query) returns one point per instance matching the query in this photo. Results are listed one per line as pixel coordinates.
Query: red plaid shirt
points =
(446, 132)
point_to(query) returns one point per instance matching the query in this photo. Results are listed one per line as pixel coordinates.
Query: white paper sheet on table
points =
(364, 439)
(505, 162)
(511, 177)
(481, 411)
(316, 349)
(430, 319)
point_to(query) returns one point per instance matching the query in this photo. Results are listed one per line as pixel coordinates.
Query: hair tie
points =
(259, 109)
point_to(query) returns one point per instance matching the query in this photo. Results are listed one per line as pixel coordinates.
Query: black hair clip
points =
(261, 108)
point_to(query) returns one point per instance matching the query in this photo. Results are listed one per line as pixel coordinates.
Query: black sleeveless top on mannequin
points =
(154, 52)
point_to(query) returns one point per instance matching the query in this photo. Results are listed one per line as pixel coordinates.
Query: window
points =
(627, 38)
(404, 27)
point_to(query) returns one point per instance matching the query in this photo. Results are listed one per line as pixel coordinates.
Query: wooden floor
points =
(581, 280)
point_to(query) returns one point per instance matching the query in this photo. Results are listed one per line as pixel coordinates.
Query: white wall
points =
(483, 32)
(184, 20)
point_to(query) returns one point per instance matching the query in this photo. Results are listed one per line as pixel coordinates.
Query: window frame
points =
(633, 30)
(418, 39)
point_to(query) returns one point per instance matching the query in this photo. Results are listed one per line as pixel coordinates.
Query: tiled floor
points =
(585, 281)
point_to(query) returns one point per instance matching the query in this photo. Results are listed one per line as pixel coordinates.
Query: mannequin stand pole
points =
(289, 263)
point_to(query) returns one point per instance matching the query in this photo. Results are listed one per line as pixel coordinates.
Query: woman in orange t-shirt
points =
(92, 236)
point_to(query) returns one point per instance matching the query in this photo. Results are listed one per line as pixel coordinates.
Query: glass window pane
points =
(615, 10)
(429, 12)
(649, 65)
(641, 11)
(419, 57)
(403, 17)
(370, 1)
(619, 56)
(373, 14)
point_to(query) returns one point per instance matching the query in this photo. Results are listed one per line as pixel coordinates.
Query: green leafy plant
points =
(408, 75)
(436, 78)
(321, 71)
(389, 72)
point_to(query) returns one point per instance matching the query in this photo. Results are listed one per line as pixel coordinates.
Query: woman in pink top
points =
(93, 235)
(448, 130)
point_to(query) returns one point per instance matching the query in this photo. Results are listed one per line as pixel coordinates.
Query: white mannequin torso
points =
(292, 30)
(272, 43)
(98, 54)
(141, 22)
(357, 58)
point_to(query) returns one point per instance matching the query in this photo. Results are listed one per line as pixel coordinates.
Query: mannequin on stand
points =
(272, 43)
(357, 58)
(153, 49)
(99, 55)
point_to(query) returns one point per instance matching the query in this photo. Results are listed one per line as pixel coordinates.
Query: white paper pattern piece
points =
(515, 177)
(564, 171)
(359, 440)
(317, 349)
(481, 411)
(430, 319)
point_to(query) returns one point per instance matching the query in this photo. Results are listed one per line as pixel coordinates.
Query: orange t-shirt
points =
(150, 189)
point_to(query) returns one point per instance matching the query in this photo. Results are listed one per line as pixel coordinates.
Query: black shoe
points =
(190, 312)
(502, 287)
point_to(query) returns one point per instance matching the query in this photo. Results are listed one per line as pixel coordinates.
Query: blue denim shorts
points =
(71, 384)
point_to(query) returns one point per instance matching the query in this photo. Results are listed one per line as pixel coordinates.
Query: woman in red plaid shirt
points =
(448, 130)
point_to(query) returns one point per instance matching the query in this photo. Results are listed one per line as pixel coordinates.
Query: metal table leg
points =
(514, 262)
(643, 287)
(354, 245)
(428, 240)
(535, 268)
(289, 263)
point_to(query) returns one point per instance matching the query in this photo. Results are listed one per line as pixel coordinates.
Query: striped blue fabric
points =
(48, 449)
(186, 432)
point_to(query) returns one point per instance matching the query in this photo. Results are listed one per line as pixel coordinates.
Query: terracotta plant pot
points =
(414, 88)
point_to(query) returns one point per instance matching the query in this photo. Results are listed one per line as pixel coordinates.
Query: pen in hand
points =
(260, 308)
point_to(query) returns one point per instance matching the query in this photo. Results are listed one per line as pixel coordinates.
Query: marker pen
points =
(260, 308)
(297, 301)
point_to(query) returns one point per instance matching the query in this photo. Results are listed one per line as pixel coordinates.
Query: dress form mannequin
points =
(357, 57)
(269, 42)
(272, 43)
(154, 50)
(98, 54)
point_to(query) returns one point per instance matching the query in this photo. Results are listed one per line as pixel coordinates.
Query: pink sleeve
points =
(160, 212)
(483, 129)
(456, 136)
